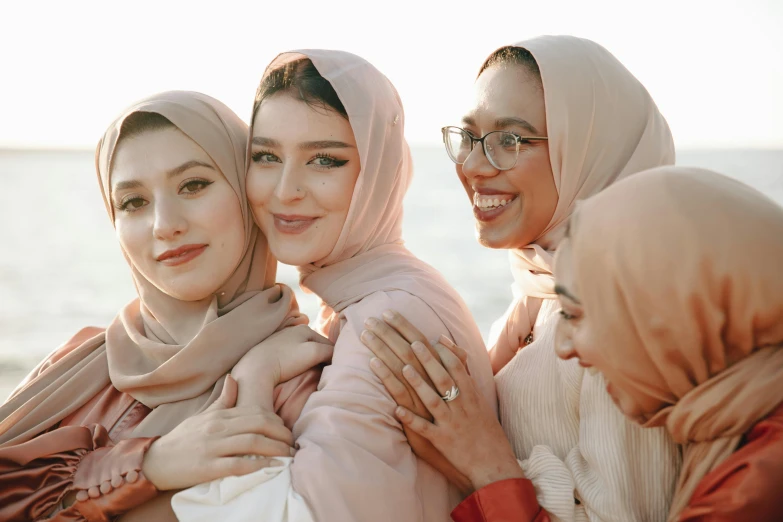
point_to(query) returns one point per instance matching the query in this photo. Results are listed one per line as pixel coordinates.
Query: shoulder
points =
(415, 309)
(747, 485)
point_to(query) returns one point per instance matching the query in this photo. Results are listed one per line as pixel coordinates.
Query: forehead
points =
(507, 90)
(148, 156)
(284, 117)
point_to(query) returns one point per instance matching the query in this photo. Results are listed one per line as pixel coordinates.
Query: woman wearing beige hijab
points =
(117, 416)
(330, 168)
(683, 315)
(556, 119)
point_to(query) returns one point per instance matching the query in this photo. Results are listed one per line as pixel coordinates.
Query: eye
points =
(508, 141)
(565, 315)
(264, 157)
(326, 161)
(131, 204)
(193, 186)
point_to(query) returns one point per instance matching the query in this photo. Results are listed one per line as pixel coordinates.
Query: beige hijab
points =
(175, 377)
(369, 255)
(602, 126)
(680, 273)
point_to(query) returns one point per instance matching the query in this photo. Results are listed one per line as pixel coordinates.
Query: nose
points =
(289, 187)
(477, 165)
(170, 223)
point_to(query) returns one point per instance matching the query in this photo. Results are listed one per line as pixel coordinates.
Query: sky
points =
(714, 68)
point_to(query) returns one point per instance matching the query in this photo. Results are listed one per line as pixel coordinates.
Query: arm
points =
(354, 462)
(747, 485)
(619, 471)
(74, 472)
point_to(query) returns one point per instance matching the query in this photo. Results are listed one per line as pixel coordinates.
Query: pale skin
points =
(167, 192)
(304, 166)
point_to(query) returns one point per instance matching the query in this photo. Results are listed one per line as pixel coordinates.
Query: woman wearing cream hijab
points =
(330, 167)
(561, 119)
(115, 417)
(683, 314)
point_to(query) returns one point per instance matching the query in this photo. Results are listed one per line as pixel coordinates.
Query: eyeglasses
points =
(500, 147)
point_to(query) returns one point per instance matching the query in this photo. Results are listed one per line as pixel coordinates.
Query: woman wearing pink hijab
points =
(330, 167)
(556, 119)
(117, 419)
(683, 315)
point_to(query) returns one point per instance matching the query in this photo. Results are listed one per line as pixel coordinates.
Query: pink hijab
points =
(369, 255)
(602, 126)
(688, 303)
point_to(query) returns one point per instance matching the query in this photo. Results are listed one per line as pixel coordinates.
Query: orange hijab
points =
(681, 273)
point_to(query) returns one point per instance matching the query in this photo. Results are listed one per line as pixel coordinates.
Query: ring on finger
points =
(452, 394)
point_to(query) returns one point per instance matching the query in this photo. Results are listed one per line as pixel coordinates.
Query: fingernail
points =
(400, 412)
(418, 347)
(388, 314)
(408, 371)
(375, 363)
(275, 462)
(370, 322)
(367, 336)
(446, 341)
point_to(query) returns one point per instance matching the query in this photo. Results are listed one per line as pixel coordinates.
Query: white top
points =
(574, 444)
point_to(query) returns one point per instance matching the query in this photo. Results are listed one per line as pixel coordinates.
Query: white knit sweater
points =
(586, 460)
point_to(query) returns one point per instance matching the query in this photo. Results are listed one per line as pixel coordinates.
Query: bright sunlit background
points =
(67, 68)
(714, 67)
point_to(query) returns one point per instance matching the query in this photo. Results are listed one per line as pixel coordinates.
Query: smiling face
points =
(575, 338)
(511, 207)
(304, 166)
(177, 218)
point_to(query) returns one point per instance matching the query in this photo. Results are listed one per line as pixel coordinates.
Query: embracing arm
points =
(75, 472)
(353, 462)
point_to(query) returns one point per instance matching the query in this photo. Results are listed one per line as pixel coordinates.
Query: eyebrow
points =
(502, 123)
(176, 171)
(561, 290)
(308, 145)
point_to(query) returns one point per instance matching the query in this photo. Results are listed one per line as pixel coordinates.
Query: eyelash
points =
(566, 316)
(335, 163)
(258, 157)
(123, 206)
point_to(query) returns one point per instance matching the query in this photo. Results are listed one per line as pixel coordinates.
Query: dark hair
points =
(515, 56)
(140, 122)
(301, 79)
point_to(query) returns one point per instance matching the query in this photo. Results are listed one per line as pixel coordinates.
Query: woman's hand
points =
(398, 333)
(219, 442)
(464, 430)
(279, 358)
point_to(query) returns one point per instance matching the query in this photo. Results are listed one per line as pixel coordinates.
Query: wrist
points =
(149, 467)
(505, 470)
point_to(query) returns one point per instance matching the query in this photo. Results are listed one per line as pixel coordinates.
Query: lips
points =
(489, 203)
(181, 255)
(293, 223)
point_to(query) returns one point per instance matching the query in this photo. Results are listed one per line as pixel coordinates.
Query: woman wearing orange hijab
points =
(671, 284)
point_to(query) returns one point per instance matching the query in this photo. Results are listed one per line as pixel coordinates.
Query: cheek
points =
(220, 216)
(135, 237)
(260, 186)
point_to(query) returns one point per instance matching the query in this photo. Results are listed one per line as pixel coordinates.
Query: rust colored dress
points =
(747, 486)
(92, 453)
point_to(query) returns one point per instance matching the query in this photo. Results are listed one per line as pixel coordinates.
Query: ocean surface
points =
(61, 268)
